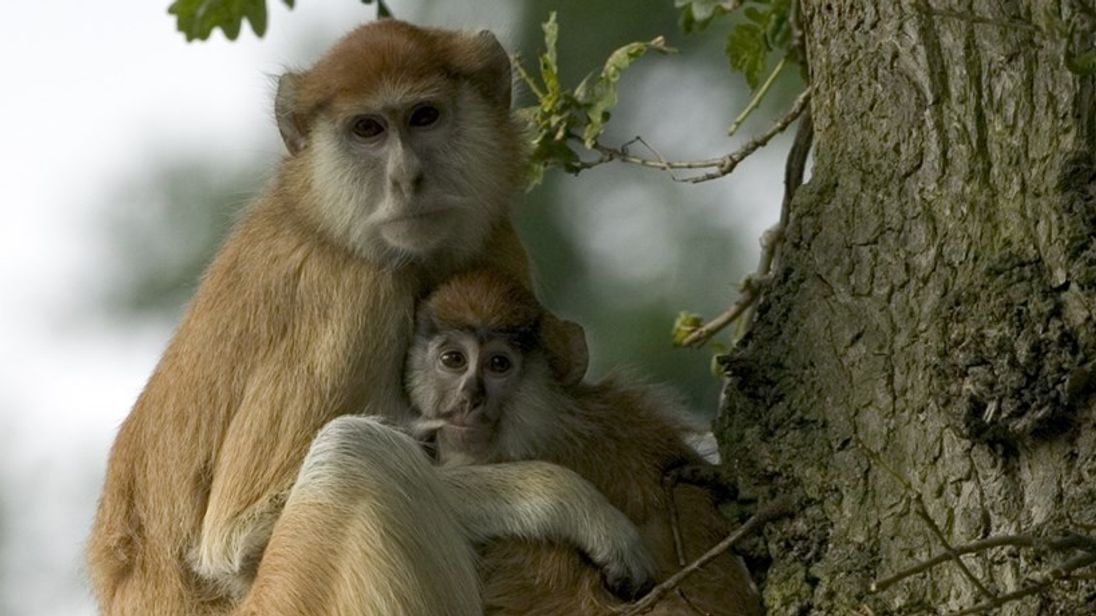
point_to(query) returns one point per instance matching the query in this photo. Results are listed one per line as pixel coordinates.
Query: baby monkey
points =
(496, 378)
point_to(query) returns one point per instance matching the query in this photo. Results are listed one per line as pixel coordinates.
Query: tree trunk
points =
(920, 369)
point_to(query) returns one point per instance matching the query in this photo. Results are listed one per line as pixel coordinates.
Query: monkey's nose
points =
(409, 185)
(471, 403)
(472, 393)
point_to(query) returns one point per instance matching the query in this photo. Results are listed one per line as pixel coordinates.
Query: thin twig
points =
(1067, 541)
(753, 285)
(720, 166)
(1057, 574)
(977, 546)
(515, 61)
(796, 165)
(701, 335)
(728, 163)
(775, 509)
(710, 477)
(668, 486)
(707, 476)
(758, 96)
(692, 606)
(658, 155)
(923, 513)
(619, 154)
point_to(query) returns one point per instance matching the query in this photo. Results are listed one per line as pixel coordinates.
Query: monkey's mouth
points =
(465, 431)
(420, 216)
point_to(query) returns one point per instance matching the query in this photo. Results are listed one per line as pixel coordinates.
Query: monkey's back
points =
(622, 438)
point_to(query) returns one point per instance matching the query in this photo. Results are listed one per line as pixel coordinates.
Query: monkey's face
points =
(405, 172)
(461, 385)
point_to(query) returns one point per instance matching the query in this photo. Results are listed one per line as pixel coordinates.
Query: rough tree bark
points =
(919, 371)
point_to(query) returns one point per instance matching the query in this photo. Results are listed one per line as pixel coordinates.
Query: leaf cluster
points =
(197, 19)
(561, 114)
(765, 27)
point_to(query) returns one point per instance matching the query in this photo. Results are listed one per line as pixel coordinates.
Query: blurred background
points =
(127, 153)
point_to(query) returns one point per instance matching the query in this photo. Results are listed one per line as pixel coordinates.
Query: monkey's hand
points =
(538, 501)
(632, 574)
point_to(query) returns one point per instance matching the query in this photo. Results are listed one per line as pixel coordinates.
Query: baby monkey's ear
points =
(565, 342)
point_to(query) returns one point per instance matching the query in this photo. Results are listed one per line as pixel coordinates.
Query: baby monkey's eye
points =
(454, 360)
(424, 115)
(499, 364)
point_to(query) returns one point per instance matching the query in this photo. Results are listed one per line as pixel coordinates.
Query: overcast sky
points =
(90, 93)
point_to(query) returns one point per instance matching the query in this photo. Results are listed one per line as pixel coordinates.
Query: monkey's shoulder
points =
(643, 425)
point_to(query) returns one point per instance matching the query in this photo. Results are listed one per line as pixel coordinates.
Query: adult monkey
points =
(402, 154)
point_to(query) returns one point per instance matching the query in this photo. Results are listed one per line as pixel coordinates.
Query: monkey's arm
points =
(313, 373)
(538, 500)
(253, 475)
(366, 530)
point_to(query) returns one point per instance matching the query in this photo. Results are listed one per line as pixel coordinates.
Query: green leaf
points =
(697, 14)
(561, 114)
(197, 19)
(382, 8)
(684, 325)
(551, 36)
(599, 95)
(555, 116)
(747, 51)
(756, 15)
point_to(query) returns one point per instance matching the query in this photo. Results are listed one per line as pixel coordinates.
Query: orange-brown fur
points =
(289, 329)
(621, 437)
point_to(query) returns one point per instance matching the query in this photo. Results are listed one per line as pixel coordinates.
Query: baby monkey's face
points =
(461, 384)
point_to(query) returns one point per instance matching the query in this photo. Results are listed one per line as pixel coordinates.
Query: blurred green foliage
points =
(197, 19)
(166, 227)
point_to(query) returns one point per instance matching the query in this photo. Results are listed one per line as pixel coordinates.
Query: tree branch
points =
(951, 554)
(754, 284)
(773, 510)
(728, 163)
(749, 291)
(1056, 574)
(720, 166)
(758, 96)
(1063, 542)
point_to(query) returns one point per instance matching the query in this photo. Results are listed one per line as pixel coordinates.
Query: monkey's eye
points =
(366, 127)
(424, 115)
(499, 364)
(454, 360)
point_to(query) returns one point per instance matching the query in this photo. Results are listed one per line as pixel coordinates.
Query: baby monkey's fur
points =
(622, 437)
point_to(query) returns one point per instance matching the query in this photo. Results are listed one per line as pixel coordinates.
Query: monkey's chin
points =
(420, 235)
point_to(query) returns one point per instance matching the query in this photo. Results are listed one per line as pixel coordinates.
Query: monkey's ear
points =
(286, 113)
(565, 342)
(426, 326)
(493, 72)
